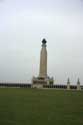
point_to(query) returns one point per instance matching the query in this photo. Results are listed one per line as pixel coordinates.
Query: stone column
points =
(43, 61)
(68, 84)
(78, 85)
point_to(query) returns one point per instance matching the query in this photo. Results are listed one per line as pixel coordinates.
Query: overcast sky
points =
(23, 25)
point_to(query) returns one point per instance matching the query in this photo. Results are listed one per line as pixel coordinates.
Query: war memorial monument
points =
(43, 78)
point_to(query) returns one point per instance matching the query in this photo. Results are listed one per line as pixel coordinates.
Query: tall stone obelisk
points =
(43, 78)
(43, 60)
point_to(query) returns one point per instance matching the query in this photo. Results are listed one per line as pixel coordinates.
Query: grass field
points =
(40, 107)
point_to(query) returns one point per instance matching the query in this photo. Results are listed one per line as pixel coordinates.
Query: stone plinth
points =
(38, 82)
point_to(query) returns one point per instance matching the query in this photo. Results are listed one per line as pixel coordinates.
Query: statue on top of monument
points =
(44, 41)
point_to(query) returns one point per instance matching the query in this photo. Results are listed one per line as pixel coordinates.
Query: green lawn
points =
(40, 107)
